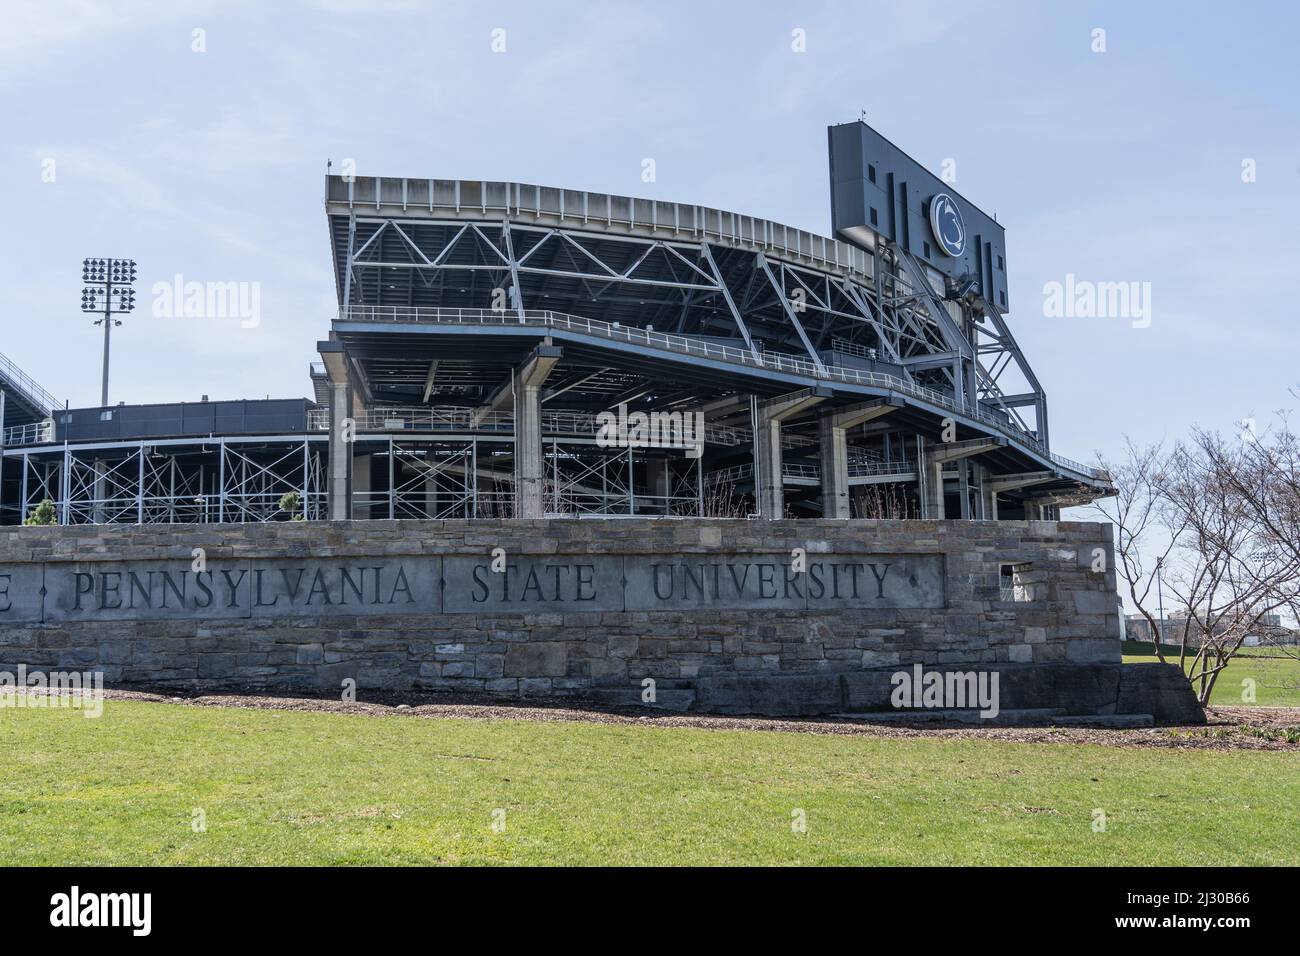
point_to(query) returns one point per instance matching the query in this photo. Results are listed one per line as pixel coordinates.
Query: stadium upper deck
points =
(484, 328)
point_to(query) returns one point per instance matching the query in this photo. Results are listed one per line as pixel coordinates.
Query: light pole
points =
(107, 292)
(1160, 595)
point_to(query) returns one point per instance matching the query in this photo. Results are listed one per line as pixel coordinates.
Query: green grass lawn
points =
(316, 788)
(1277, 678)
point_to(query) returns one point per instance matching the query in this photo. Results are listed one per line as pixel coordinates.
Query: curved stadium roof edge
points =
(604, 212)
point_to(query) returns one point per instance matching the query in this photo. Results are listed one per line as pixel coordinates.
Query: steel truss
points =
(174, 481)
(466, 476)
(697, 286)
(436, 477)
(585, 479)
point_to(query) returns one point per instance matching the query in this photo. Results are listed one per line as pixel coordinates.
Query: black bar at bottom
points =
(924, 905)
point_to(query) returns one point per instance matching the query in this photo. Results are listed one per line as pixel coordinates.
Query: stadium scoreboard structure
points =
(881, 196)
(487, 329)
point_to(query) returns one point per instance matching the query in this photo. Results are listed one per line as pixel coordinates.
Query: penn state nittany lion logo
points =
(947, 225)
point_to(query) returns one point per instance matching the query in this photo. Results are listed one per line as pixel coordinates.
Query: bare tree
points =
(1264, 473)
(1143, 542)
(1228, 577)
(1208, 513)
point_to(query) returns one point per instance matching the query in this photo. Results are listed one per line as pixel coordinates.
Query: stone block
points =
(1107, 650)
(536, 660)
(1160, 690)
(1093, 602)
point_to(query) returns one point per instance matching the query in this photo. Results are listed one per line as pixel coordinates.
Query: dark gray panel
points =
(277, 416)
(145, 591)
(162, 590)
(282, 587)
(670, 582)
(364, 585)
(555, 583)
(758, 582)
(20, 594)
(900, 196)
(881, 580)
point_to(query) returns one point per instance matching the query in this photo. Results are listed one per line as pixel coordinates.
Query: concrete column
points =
(834, 469)
(430, 503)
(989, 495)
(530, 465)
(934, 506)
(933, 459)
(963, 489)
(100, 491)
(340, 453)
(1042, 508)
(992, 485)
(660, 480)
(769, 489)
(769, 485)
(834, 451)
(523, 393)
(339, 478)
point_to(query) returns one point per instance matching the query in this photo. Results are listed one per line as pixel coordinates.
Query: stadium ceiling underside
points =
(486, 330)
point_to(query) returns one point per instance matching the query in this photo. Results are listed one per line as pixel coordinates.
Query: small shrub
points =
(43, 514)
(290, 503)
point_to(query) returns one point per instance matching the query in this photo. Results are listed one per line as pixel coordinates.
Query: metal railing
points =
(858, 468)
(864, 468)
(23, 384)
(686, 345)
(853, 348)
(33, 433)
(434, 419)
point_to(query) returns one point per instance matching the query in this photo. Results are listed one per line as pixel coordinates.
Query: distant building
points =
(1138, 628)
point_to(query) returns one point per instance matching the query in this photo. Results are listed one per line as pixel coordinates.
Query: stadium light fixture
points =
(107, 291)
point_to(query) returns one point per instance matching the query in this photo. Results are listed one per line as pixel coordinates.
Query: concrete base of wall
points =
(1040, 690)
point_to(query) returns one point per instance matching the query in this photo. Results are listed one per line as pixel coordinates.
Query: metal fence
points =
(33, 433)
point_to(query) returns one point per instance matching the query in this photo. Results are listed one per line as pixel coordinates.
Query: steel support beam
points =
(731, 303)
(428, 381)
(779, 289)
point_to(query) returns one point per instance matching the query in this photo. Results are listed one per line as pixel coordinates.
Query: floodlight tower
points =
(107, 291)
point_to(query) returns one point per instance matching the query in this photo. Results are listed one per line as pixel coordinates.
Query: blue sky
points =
(1117, 166)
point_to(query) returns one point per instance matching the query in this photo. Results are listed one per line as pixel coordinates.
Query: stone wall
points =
(584, 606)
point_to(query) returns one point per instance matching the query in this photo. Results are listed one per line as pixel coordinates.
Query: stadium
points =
(485, 331)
